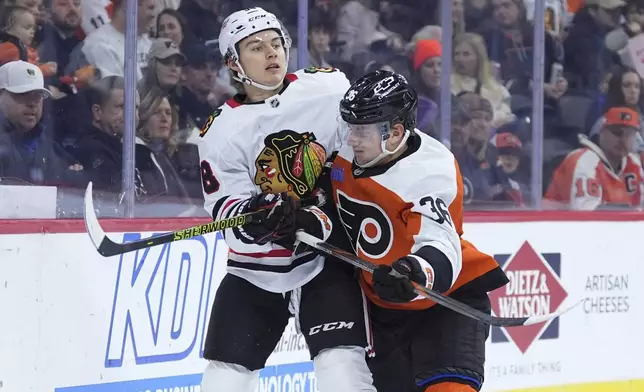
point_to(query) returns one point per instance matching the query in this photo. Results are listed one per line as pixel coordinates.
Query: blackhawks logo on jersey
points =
(290, 162)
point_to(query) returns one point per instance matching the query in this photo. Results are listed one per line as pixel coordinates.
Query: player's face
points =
(263, 57)
(366, 141)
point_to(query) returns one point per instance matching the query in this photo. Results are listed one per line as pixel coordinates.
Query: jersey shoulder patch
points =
(328, 80)
(208, 124)
(314, 70)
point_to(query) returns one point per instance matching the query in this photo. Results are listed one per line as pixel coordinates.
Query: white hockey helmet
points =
(243, 24)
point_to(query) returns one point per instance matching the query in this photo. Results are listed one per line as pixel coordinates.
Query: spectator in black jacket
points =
(485, 183)
(100, 148)
(509, 40)
(59, 34)
(167, 167)
(27, 150)
(199, 95)
(587, 57)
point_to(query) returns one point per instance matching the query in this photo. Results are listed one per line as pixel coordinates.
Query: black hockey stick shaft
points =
(111, 248)
(106, 247)
(437, 297)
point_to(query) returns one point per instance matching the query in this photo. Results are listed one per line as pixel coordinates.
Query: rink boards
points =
(74, 321)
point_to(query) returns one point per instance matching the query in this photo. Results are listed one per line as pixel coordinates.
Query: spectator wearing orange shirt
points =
(18, 31)
(604, 174)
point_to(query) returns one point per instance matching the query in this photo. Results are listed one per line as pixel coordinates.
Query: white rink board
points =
(75, 321)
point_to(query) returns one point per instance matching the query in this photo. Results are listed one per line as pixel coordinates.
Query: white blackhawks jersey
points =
(278, 145)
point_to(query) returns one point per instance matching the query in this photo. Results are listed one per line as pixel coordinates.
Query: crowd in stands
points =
(72, 133)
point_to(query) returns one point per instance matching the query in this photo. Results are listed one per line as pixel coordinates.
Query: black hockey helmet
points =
(380, 96)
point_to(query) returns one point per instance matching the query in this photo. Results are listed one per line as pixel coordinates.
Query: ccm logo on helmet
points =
(256, 17)
(330, 327)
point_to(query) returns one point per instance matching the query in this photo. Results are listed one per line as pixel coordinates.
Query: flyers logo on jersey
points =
(367, 225)
(290, 162)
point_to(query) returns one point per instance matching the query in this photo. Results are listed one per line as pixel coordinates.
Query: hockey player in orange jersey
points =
(602, 174)
(399, 196)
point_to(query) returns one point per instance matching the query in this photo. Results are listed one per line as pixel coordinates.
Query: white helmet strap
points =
(241, 77)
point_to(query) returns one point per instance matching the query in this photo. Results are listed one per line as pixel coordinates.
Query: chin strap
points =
(243, 78)
(385, 152)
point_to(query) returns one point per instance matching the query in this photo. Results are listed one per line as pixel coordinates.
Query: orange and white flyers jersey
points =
(410, 204)
(585, 180)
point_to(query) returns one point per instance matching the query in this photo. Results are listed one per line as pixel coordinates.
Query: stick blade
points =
(547, 317)
(94, 229)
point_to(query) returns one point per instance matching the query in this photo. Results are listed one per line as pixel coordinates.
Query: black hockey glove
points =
(392, 283)
(279, 220)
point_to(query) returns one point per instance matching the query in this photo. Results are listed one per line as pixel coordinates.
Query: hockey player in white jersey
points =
(264, 149)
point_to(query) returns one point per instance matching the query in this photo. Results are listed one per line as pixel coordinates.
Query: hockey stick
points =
(439, 298)
(106, 247)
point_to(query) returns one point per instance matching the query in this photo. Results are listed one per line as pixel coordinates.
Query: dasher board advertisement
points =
(76, 321)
